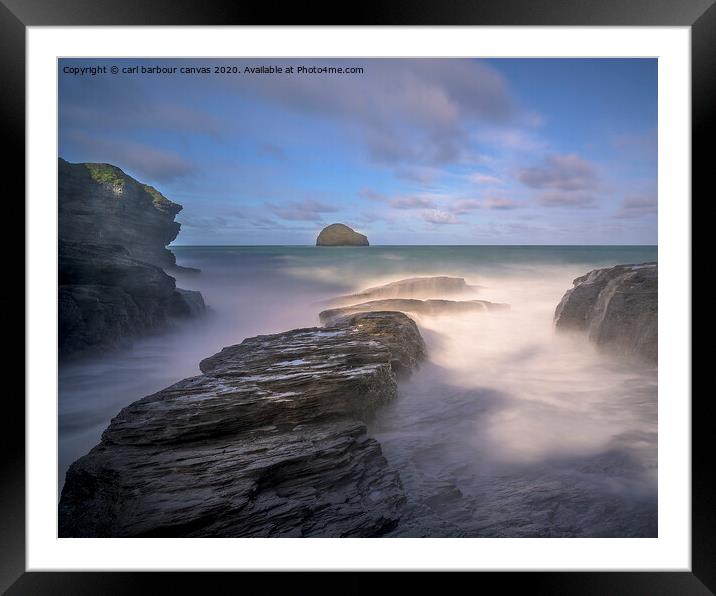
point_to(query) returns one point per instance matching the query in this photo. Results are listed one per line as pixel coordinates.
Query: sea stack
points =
(339, 234)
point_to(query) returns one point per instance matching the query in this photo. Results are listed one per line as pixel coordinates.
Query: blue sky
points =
(412, 151)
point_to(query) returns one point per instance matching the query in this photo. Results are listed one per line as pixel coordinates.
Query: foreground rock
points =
(421, 307)
(616, 307)
(412, 287)
(113, 233)
(340, 235)
(269, 441)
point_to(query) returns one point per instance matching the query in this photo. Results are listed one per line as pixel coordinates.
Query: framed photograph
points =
(373, 296)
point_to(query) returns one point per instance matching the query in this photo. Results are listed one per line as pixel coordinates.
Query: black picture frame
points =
(17, 15)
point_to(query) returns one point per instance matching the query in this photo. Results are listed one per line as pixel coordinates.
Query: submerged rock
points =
(269, 441)
(616, 307)
(338, 234)
(422, 307)
(412, 287)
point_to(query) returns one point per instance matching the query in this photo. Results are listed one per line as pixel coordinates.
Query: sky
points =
(408, 151)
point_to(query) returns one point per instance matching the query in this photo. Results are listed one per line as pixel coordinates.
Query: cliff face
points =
(616, 307)
(269, 441)
(112, 236)
(100, 204)
(340, 235)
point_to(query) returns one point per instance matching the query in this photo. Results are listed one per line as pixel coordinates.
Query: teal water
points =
(372, 260)
(506, 431)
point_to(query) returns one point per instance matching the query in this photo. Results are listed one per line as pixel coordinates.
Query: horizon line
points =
(413, 245)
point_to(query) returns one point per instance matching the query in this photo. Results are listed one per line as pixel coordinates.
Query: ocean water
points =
(507, 430)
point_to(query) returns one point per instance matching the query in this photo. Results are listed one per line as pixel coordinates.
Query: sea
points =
(508, 430)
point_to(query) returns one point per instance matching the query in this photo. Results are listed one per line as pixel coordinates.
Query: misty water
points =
(507, 430)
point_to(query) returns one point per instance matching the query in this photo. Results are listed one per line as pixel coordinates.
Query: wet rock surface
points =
(617, 308)
(420, 307)
(410, 288)
(269, 441)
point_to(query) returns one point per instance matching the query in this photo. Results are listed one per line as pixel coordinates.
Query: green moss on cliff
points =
(106, 174)
(157, 197)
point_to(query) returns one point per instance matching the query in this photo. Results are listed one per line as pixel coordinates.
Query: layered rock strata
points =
(269, 441)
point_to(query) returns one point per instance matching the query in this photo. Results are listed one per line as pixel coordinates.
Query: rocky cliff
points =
(100, 204)
(113, 232)
(269, 441)
(616, 307)
(338, 234)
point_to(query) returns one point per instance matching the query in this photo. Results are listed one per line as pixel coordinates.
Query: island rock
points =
(338, 234)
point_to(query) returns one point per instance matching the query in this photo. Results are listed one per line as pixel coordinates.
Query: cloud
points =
(484, 179)
(464, 205)
(146, 162)
(436, 216)
(369, 217)
(566, 199)
(511, 139)
(500, 203)
(308, 210)
(406, 111)
(639, 146)
(205, 223)
(105, 105)
(264, 222)
(561, 173)
(422, 175)
(412, 203)
(371, 195)
(639, 206)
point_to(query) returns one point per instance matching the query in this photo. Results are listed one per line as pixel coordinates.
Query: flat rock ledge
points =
(419, 307)
(412, 288)
(269, 441)
(617, 308)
